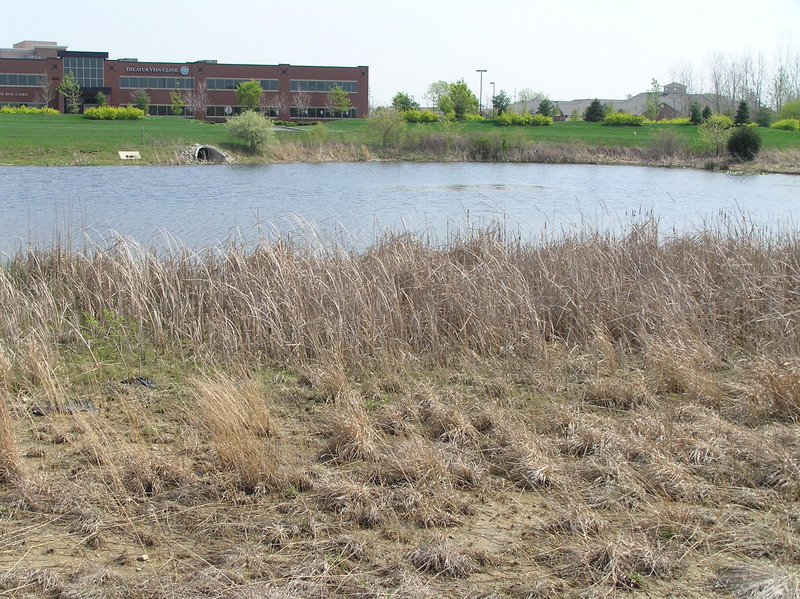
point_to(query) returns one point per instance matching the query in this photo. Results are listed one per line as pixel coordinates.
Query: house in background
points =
(673, 102)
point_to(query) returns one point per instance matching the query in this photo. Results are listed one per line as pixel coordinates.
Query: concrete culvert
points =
(209, 154)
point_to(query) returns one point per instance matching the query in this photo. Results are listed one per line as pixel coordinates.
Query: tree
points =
(248, 94)
(302, 102)
(790, 110)
(175, 103)
(545, 107)
(526, 94)
(595, 112)
(695, 113)
(388, 124)
(462, 100)
(706, 113)
(403, 102)
(46, 91)
(72, 92)
(337, 101)
(744, 143)
(652, 102)
(501, 102)
(252, 127)
(436, 92)
(141, 99)
(742, 114)
(100, 99)
(196, 100)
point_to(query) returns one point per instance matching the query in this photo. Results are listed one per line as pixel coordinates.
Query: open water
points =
(201, 206)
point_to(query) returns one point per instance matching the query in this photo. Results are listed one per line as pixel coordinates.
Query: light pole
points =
(480, 98)
(493, 95)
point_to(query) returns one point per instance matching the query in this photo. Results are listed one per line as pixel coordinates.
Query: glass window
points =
(302, 85)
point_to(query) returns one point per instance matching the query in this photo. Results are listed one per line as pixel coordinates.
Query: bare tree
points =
(196, 99)
(46, 92)
(279, 102)
(301, 101)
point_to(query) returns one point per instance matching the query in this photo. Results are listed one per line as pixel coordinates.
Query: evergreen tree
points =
(706, 114)
(545, 107)
(742, 114)
(595, 112)
(695, 113)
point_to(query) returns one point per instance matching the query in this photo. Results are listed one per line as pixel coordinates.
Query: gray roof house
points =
(674, 101)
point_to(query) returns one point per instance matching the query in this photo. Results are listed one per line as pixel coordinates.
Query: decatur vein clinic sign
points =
(184, 70)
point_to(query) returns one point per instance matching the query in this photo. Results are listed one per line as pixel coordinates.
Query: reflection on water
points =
(200, 206)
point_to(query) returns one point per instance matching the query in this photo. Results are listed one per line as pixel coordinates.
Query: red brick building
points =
(31, 71)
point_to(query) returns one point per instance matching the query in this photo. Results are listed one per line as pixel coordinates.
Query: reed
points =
(599, 412)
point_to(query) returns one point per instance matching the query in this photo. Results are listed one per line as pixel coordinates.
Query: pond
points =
(200, 206)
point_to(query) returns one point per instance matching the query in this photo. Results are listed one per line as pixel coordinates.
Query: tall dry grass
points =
(729, 290)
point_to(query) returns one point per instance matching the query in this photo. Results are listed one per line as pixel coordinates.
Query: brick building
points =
(31, 70)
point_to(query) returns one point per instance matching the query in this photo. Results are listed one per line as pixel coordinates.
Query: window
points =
(316, 112)
(156, 82)
(22, 80)
(217, 83)
(301, 85)
(166, 110)
(88, 70)
(218, 112)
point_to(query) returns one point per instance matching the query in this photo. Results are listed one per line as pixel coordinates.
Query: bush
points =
(623, 119)
(112, 113)
(510, 117)
(541, 120)
(27, 110)
(786, 125)
(474, 117)
(251, 127)
(744, 143)
(719, 121)
(420, 116)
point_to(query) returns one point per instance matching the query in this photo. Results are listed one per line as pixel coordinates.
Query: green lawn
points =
(72, 139)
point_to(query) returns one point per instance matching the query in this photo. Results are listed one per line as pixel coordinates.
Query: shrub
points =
(541, 120)
(509, 117)
(474, 117)
(420, 116)
(112, 113)
(744, 143)
(786, 125)
(719, 121)
(251, 127)
(27, 110)
(623, 119)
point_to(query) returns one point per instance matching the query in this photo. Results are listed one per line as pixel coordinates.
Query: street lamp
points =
(480, 98)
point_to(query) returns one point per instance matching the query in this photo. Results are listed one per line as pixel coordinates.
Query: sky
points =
(576, 49)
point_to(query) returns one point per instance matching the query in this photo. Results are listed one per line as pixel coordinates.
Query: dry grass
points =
(587, 415)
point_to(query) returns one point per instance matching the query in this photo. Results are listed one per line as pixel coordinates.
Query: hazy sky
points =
(573, 49)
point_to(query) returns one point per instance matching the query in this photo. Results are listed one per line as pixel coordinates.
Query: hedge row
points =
(114, 113)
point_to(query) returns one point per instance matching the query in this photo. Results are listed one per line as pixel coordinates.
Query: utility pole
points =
(480, 98)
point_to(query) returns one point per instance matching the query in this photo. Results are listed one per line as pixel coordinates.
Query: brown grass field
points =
(596, 415)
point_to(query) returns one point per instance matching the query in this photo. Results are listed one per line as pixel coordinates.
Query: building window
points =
(302, 85)
(22, 80)
(316, 112)
(166, 110)
(156, 82)
(223, 83)
(88, 71)
(218, 112)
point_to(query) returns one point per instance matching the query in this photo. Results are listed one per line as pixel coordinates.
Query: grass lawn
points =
(72, 139)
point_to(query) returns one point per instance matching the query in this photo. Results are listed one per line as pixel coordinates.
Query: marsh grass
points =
(603, 413)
